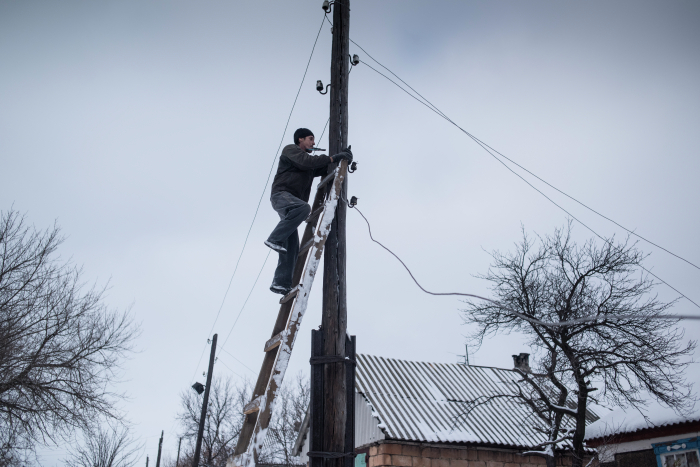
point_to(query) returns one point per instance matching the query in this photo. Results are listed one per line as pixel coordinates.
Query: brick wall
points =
(413, 455)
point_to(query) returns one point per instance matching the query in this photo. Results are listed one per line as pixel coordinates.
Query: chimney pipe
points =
(522, 362)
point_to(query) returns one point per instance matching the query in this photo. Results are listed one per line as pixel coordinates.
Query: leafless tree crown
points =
(225, 420)
(614, 362)
(105, 446)
(60, 346)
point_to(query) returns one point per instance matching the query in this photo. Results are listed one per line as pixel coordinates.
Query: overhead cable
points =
(267, 182)
(229, 368)
(489, 150)
(246, 301)
(234, 357)
(517, 313)
(442, 114)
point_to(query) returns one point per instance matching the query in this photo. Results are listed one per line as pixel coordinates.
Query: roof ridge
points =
(434, 363)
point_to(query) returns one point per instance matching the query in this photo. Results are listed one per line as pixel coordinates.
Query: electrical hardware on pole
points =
(205, 402)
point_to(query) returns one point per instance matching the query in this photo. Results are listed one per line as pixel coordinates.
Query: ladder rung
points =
(306, 246)
(259, 410)
(275, 341)
(325, 180)
(253, 406)
(292, 293)
(314, 215)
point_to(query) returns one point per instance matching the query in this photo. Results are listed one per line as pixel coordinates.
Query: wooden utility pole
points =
(205, 402)
(160, 448)
(177, 462)
(334, 317)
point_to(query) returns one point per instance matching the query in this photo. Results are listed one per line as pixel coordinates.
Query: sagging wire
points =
(442, 114)
(243, 307)
(234, 357)
(489, 150)
(267, 182)
(504, 307)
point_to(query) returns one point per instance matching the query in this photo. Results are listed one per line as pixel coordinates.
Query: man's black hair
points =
(301, 133)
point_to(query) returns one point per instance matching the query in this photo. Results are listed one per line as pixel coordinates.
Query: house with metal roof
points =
(421, 414)
(659, 437)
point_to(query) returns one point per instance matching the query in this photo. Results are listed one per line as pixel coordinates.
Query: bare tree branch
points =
(578, 287)
(225, 420)
(60, 346)
(105, 446)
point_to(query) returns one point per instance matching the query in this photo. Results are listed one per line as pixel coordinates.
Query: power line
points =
(267, 182)
(266, 258)
(488, 149)
(516, 313)
(200, 361)
(431, 106)
(258, 207)
(234, 357)
(229, 369)
(246, 300)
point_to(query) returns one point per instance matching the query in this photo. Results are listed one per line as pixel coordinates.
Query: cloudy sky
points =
(147, 130)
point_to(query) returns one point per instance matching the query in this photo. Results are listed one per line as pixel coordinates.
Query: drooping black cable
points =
(431, 106)
(516, 313)
(487, 149)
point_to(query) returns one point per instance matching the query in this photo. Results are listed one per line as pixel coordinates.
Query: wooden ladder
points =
(278, 349)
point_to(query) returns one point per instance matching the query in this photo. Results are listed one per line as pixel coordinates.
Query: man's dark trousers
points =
(292, 212)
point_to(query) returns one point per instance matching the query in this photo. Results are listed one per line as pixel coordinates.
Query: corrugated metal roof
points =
(425, 402)
(632, 420)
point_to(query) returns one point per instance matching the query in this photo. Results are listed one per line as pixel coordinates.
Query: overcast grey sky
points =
(148, 129)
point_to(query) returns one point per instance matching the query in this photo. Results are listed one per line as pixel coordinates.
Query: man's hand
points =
(345, 155)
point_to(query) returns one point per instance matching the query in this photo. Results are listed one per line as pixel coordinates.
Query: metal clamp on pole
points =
(322, 360)
(331, 455)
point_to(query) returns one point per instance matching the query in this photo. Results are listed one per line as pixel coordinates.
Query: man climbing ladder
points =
(278, 348)
(290, 195)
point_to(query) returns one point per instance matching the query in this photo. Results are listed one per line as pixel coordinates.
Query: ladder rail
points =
(280, 324)
(248, 449)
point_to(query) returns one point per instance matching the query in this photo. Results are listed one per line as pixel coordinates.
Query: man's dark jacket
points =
(296, 171)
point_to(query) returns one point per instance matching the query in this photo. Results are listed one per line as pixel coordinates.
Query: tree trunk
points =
(580, 432)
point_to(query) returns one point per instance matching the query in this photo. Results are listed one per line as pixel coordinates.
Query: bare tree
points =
(222, 425)
(105, 446)
(60, 346)
(15, 449)
(292, 402)
(225, 420)
(627, 359)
